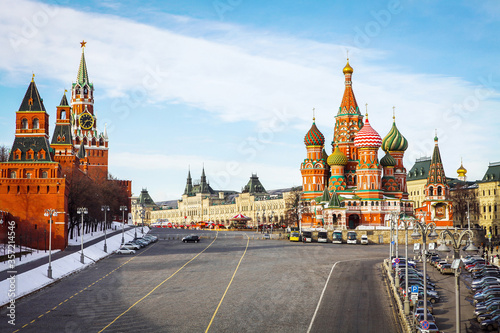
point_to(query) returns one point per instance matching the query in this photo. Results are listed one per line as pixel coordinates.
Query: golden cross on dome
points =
(393, 113)
(366, 106)
(347, 54)
(82, 43)
(32, 77)
(314, 118)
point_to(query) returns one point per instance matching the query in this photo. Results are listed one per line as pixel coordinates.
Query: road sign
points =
(414, 298)
(396, 260)
(414, 289)
(424, 324)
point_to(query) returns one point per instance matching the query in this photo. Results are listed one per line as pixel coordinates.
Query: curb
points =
(404, 320)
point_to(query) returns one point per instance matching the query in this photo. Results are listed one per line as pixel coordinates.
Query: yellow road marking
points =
(55, 307)
(177, 271)
(229, 285)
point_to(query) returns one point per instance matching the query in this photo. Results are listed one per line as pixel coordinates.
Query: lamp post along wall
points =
(424, 230)
(81, 211)
(105, 209)
(456, 241)
(406, 224)
(50, 213)
(123, 210)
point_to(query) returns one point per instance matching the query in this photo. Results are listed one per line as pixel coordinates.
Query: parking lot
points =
(444, 311)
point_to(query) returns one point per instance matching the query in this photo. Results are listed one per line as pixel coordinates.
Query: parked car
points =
(490, 324)
(191, 238)
(133, 246)
(364, 239)
(125, 250)
(420, 317)
(420, 304)
(446, 269)
(488, 315)
(432, 328)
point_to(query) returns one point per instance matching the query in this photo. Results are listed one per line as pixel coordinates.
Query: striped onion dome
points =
(337, 158)
(388, 160)
(394, 140)
(367, 137)
(314, 137)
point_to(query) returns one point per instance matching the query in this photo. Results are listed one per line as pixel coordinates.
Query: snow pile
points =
(37, 278)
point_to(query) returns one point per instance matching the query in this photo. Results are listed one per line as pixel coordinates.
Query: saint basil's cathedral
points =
(34, 177)
(351, 186)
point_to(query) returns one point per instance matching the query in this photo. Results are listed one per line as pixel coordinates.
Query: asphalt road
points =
(231, 283)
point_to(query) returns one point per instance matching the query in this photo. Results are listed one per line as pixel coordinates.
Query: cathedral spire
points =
(189, 184)
(436, 174)
(349, 104)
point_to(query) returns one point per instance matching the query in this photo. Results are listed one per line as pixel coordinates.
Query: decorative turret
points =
(462, 172)
(315, 170)
(368, 170)
(394, 140)
(396, 144)
(32, 129)
(189, 185)
(314, 137)
(436, 179)
(367, 137)
(337, 158)
(389, 183)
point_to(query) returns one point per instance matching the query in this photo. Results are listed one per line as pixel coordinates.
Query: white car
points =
(364, 239)
(125, 250)
(131, 246)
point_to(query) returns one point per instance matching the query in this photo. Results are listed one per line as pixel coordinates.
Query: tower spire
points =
(83, 76)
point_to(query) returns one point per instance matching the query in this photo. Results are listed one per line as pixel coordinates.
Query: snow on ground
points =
(37, 278)
(96, 234)
(34, 255)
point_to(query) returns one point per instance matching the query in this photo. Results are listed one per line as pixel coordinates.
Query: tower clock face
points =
(86, 121)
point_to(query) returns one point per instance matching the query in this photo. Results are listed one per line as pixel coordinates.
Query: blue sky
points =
(230, 84)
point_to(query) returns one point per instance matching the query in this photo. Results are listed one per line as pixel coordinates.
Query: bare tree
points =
(292, 204)
(4, 153)
(465, 201)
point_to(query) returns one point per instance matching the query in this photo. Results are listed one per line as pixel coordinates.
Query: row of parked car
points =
(416, 278)
(486, 288)
(136, 244)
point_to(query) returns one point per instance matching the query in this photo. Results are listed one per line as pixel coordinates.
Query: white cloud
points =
(246, 76)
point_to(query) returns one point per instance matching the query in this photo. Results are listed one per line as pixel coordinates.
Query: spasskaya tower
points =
(84, 124)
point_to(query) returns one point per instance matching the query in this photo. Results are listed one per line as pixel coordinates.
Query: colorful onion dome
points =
(314, 137)
(347, 68)
(367, 137)
(394, 140)
(337, 158)
(388, 160)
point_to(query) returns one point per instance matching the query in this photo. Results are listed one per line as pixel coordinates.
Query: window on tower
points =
(35, 123)
(24, 123)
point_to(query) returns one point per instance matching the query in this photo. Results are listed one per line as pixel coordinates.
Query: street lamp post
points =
(105, 209)
(50, 213)
(456, 241)
(257, 221)
(424, 230)
(271, 220)
(406, 223)
(123, 209)
(81, 211)
(143, 214)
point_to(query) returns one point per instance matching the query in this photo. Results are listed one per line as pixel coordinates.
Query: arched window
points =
(431, 191)
(12, 174)
(439, 190)
(63, 114)
(24, 123)
(36, 123)
(44, 174)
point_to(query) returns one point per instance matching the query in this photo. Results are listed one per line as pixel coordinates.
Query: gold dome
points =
(348, 68)
(461, 171)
